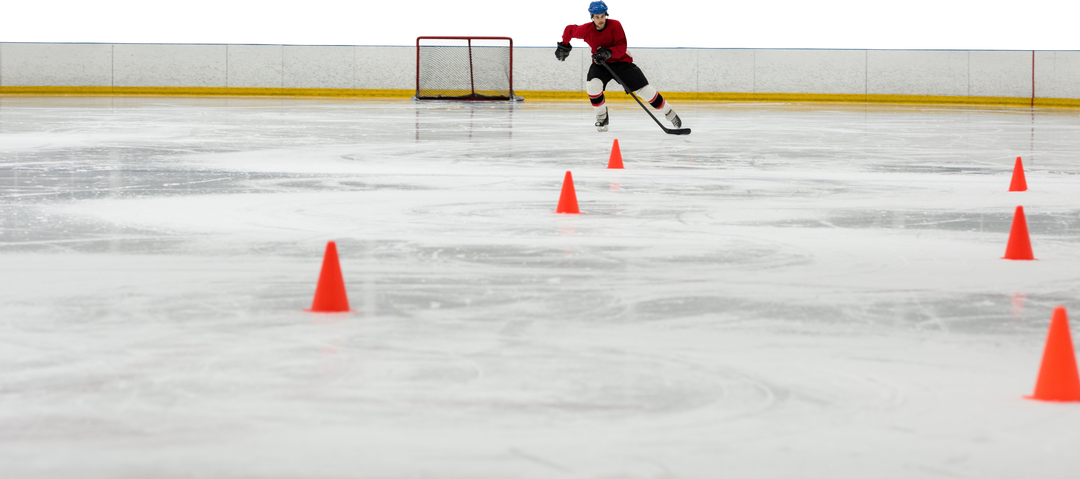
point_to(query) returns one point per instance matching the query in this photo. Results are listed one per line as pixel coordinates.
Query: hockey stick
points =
(670, 131)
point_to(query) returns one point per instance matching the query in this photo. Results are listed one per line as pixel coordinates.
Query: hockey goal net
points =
(465, 68)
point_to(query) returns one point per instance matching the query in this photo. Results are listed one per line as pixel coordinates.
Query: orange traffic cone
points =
(1058, 379)
(568, 198)
(1019, 246)
(1019, 183)
(330, 294)
(615, 162)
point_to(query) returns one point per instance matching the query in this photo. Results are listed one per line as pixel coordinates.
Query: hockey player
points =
(608, 43)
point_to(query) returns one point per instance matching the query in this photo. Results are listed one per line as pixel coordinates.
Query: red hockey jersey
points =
(611, 36)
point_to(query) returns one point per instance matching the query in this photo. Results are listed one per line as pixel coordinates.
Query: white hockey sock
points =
(649, 94)
(600, 110)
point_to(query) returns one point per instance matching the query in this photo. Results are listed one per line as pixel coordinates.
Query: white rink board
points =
(726, 70)
(910, 72)
(875, 72)
(44, 64)
(319, 67)
(169, 65)
(385, 68)
(1057, 74)
(999, 73)
(537, 69)
(810, 71)
(256, 66)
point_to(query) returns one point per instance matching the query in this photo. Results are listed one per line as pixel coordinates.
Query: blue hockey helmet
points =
(598, 7)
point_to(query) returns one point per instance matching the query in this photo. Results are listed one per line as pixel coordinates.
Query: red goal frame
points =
(472, 85)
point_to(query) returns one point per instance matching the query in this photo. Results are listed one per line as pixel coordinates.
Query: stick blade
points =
(677, 131)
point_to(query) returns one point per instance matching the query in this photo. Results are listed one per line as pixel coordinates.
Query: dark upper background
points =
(655, 22)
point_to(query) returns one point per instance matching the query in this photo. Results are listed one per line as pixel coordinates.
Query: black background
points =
(655, 23)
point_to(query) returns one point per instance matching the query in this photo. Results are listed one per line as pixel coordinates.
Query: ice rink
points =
(790, 291)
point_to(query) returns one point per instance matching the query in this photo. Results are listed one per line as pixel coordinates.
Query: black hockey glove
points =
(602, 55)
(562, 50)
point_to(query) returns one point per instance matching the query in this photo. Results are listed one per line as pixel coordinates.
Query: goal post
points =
(465, 68)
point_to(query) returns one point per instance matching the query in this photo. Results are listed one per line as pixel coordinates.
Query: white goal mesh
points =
(464, 68)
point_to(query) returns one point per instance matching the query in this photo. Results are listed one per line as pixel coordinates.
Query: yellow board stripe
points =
(816, 97)
(541, 95)
(203, 91)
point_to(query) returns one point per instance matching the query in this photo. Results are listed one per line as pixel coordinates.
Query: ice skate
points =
(674, 119)
(602, 122)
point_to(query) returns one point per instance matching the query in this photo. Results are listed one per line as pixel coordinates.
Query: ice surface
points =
(790, 291)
